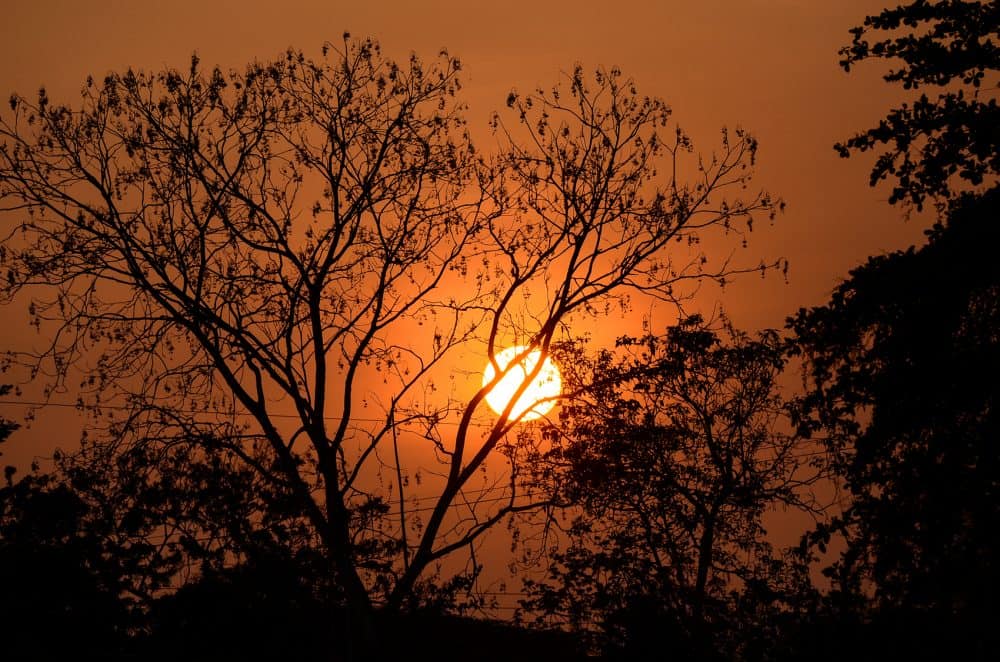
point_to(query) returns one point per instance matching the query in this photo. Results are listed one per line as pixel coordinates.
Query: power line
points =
(360, 419)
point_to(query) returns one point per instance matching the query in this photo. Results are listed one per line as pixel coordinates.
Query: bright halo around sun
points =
(534, 402)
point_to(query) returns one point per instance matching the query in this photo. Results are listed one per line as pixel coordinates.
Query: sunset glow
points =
(535, 402)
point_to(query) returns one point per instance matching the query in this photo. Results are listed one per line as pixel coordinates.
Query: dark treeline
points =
(668, 454)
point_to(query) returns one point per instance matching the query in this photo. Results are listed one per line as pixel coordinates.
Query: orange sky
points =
(768, 65)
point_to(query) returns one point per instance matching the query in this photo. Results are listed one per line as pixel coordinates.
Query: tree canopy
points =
(900, 364)
(269, 289)
(277, 268)
(665, 474)
(901, 382)
(952, 46)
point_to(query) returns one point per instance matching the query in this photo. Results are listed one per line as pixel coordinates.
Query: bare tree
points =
(215, 250)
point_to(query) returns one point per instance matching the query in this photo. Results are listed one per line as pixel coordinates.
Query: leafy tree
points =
(670, 466)
(902, 367)
(320, 239)
(136, 558)
(266, 606)
(182, 513)
(952, 45)
(55, 570)
(56, 575)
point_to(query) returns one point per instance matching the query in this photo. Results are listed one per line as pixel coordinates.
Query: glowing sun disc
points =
(547, 384)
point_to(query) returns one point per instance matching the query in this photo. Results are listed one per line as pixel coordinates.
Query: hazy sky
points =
(767, 65)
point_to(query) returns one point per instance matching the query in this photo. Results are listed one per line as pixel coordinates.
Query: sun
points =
(536, 400)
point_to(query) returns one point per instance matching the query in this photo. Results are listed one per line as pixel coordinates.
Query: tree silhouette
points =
(668, 467)
(57, 575)
(953, 46)
(266, 606)
(319, 239)
(902, 367)
(140, 559)
(58, 570)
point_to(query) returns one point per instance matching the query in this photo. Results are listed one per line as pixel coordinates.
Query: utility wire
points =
(360, 419)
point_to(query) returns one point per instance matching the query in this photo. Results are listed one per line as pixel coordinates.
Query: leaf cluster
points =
(953, 45)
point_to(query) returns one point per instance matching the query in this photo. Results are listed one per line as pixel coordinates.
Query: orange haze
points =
(767, 65)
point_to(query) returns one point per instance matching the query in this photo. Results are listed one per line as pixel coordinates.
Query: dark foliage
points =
(667, 468)
(953, 45)
(270, 607)
(269, 271)
(68, 591)
(902, 369)
(433, 635)
(902, 363)
(196, 539)
(59, 590)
